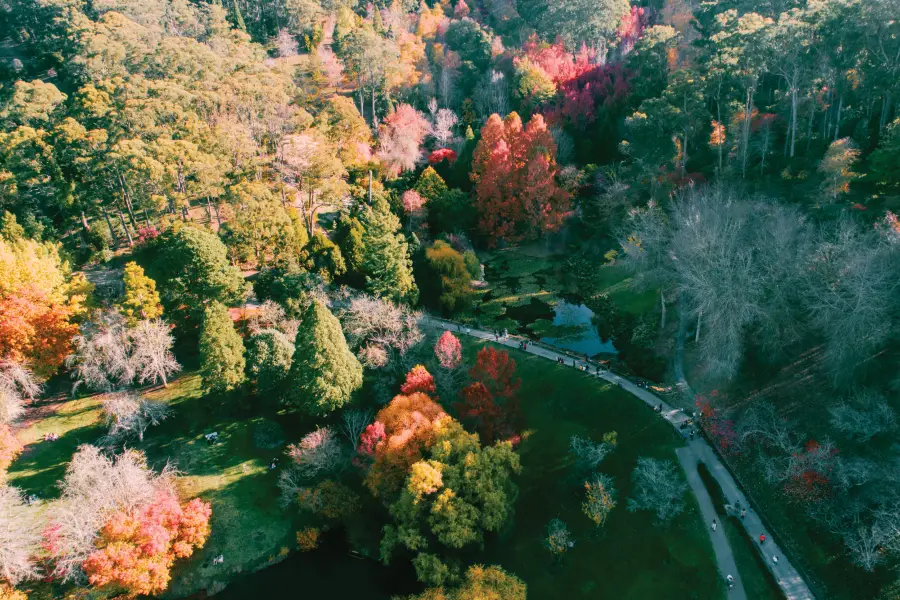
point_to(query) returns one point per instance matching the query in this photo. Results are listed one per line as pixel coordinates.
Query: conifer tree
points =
(221, 350)
(140, 300)
(387, 264)
(324, 372)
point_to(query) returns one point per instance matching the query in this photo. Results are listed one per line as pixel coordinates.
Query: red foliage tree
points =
(630, 28)
(442, 154)
(558, 63)
(368, 439)
(809, 479)
(720, 429)
(599, 92)
(448, 350)
(137, 549)
(478, 407)
(497, 371)
(418, 380)
(514, 170)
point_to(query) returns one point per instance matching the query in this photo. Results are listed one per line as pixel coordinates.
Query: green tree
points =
(453, 496)
(348, 235)
(324, 373)
(222, 361)
(140, 300)
(191, 269)
(430, 185)
(480, 583)
(387, 264)
(885, 160)
(328, 263)
(446, 282)
(269, 356)
(453, 211)
(261, 229)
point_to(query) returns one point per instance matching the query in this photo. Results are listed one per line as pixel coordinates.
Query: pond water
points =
(583, 338)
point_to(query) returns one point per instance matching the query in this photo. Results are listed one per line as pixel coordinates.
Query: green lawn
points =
(632, 557)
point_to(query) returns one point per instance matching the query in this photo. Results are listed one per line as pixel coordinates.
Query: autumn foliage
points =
(400, 138)
(490, 403)
(720, 429)
(409, 424)
(137, 550)
(10, 448)
(448, 350)
(497, 371)
(514, 170)
(418, 380)
(442, 154)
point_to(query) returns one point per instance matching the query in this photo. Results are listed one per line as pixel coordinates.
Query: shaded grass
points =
(632, 557)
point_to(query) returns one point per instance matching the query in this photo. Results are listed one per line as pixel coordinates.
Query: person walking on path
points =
(743, 512)
(762, 538)
(730, 581)
(714, 525)
(775, 559)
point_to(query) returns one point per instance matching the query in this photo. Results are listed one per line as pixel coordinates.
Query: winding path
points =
(694, 451)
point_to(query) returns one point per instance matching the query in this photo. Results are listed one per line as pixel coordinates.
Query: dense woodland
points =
(274, 192)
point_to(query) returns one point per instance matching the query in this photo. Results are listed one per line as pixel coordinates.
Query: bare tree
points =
(353, 422)
(588, 454)
(20, 537)
(492, 95)
(658, 487)
(17, 384)
(128, 414)
(318, 453)
(152, 356)
(286, 44)
(864, 416)
(371, 321)
(442, 127)
(271, 315)
(102, 357)
(96, 486)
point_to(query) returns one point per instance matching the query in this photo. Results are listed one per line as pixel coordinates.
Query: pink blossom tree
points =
(448, 350)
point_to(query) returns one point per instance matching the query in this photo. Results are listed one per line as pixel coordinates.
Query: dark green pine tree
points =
(221, 350)
(239, 18)
(387, 264)
(324, 373)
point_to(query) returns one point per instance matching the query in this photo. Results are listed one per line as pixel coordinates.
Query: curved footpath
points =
(788, 578)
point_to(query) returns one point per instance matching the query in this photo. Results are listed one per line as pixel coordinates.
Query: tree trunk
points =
(147, 218)
(662, 304)
(218, 216)
(162, 376)
(125, 227)
(809, 125)
(84, 222)
(697, 333)
(370, 187)
(374, 123)
(721, 145)
(112, 232)
(885, 111)
(748, 110)
(793, 120)
(837, 119)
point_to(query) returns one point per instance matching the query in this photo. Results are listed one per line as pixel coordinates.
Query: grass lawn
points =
(631, 558)
(248, 527)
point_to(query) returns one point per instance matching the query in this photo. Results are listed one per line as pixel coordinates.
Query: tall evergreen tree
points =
(221, 350)
(324, 373)
(140, 300)
(387, 263)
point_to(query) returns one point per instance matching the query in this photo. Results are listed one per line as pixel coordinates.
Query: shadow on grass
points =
(44, 463)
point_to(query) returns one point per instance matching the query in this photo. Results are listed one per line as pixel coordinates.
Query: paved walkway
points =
(788, 578)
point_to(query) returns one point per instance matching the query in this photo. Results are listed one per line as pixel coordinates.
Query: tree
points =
(658, 488)
(514, 170)
(326, 257)
(318, 455)
(128, 414)
(136, 549)
(600, 499)
(884, 161)
(458, 491)
(269, 356)
(418, 380)
(837, 165)
(866, 416)
(497, 371)
(192, 269)
(10, 449)
(446, 284)
(20, 537)
(324, 373)
(387, 265)
(368, 321)
(400, 138)
(221, 350)
(151, 352)
(430, 186)
(589, 454)
(559, 540)
(140, 301)
(17, 384)
(261, 229)
(448, 350)
(480, 583)
(103, 354)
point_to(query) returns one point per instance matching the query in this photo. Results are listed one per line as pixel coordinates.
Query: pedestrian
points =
(762, 538)
(573, 362)
(714, 525)
(692, 435)
(774, 559)
(743, 512)
(730, 581)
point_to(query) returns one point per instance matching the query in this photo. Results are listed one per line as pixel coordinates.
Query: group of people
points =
(51, 437)
(211, 438)
(501, 334)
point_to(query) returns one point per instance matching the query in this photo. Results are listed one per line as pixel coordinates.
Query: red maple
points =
(448, 350)
(497, 371)
(418, 380)
(514, 170)
(442, 154)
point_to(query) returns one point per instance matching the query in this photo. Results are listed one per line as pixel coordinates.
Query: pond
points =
(573, 329)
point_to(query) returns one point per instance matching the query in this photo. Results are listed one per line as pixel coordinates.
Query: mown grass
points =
(632, 557)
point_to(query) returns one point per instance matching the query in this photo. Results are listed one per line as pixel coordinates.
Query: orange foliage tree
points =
(514, 170)
(10, 448)
(137, 549)
(410, 424)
